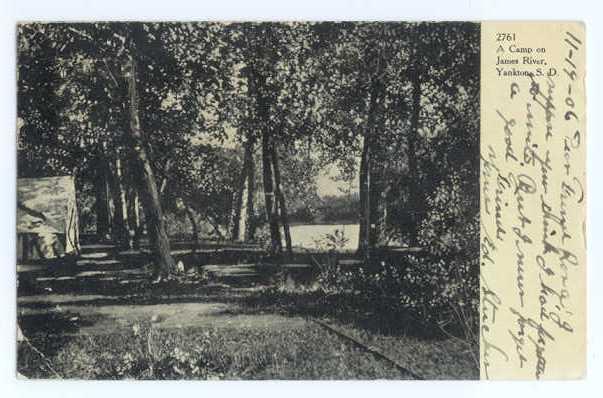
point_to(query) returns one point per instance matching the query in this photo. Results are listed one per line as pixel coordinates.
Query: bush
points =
(441, 295)
(339, 208)
(440, 287)
(451, 224)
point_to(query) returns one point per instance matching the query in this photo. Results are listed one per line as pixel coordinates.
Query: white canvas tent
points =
(47, 222)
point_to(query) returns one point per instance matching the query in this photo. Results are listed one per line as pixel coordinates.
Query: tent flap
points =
(47, 212)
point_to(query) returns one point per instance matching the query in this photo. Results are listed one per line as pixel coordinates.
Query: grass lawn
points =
(150, 353)
(106, 321)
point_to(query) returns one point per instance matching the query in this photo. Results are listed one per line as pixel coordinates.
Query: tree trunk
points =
(364, 243)
(147, 188)
(413, 172)
(134, 217)
(364, 192)
(243, 216)
(118, 192)
(276, 245)
(102, 206)
(191, 217)
(164, 180)
(235, 211)
(250, 224)
(378, 190)
(284, 217)
(237, 203)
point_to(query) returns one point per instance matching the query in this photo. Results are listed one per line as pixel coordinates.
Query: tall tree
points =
(442, 75)
(280, 199)
(243, 204)
(144, 171)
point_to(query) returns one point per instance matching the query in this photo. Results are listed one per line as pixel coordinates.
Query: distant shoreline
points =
(294, 224)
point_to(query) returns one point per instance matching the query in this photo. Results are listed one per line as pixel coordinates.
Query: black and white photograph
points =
(248, 200)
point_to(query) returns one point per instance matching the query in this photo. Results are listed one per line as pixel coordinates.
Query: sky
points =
(327, 186)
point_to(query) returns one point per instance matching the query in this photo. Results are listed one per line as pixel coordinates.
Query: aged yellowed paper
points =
(533, 201)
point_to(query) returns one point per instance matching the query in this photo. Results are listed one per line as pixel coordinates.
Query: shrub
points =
(332, 242)
(451, 224)
(441, 295)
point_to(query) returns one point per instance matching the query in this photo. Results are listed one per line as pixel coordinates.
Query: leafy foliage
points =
(403, 95)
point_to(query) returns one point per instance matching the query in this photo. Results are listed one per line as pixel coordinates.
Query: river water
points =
(305, 235)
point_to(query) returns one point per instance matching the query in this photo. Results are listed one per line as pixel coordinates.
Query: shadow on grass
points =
(125, 281)
(344, 308)
(49, 333)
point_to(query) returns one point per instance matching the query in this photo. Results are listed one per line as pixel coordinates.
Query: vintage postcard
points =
(301, 200)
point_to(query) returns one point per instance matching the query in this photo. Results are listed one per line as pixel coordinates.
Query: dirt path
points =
(110, 293)
(104, 295)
